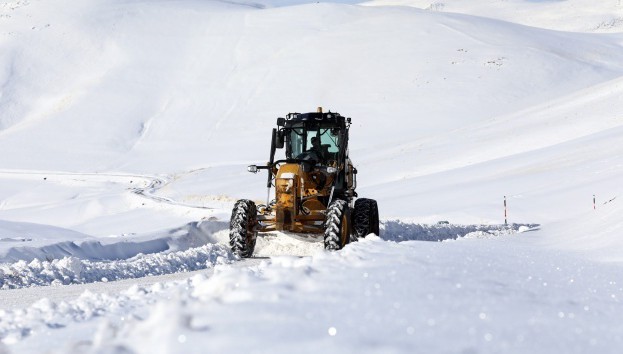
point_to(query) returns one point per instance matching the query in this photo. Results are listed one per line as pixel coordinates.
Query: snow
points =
(499, 301)
(68, 270)
(126, 128)
(568, 15)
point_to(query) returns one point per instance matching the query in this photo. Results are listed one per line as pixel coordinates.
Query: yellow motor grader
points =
(314, 187)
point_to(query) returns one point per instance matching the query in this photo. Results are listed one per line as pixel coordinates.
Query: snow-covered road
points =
(489, 294)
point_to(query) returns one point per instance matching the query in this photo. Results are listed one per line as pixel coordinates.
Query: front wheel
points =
(242, 234)
(366, 217)
(337, 225)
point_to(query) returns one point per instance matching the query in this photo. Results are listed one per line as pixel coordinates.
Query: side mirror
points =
(252, 168)
(279, 141)
(281, 122)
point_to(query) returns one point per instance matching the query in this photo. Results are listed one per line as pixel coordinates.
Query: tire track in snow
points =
(152, 184)
(156, 184)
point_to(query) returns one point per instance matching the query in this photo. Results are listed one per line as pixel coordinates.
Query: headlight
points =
(331, 170)
(252, 168)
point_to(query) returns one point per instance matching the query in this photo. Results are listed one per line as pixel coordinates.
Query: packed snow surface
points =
(126, 128)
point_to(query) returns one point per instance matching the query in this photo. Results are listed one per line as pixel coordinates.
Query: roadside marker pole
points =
(594, 207)
(505, 217)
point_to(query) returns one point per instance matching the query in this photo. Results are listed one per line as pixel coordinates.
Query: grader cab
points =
(314, 187)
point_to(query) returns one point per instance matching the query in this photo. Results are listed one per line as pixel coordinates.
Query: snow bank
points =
(71, 270)
(190, 247)
(397, 230)
(48, 248)
(20, 235)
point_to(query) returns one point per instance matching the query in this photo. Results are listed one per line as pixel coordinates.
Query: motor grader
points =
(314, 187)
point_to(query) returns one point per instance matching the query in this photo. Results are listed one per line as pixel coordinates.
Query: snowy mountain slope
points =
(167, 87)
(577, 135)
(232, 73)
(568, 15)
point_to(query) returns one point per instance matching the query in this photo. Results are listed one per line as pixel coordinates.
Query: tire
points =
(366, 217)
(242, 234)
(337, 226)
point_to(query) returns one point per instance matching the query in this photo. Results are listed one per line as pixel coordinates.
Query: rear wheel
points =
(337, 225)
(366, 217)
(242, 234)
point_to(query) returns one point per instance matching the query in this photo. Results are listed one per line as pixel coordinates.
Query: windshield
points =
(322, 142)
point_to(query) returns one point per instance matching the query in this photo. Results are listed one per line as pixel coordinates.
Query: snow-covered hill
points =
(126, 127)
(562, 15)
